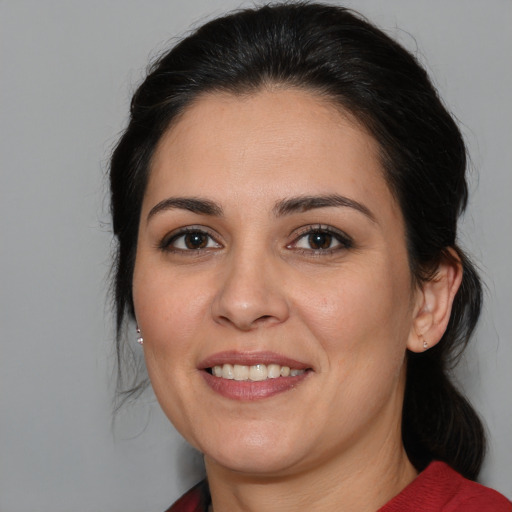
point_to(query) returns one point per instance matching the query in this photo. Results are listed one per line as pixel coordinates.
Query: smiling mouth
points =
(253, 373)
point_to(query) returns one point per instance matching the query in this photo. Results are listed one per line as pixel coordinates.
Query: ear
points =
(433, 304)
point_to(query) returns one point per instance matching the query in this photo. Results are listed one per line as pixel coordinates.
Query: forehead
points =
(266, 144)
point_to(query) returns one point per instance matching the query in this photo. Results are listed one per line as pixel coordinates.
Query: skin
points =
(349, 311)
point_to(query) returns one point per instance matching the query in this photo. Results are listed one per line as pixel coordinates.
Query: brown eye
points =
(189, 240)
(320, 240)
(195, 240)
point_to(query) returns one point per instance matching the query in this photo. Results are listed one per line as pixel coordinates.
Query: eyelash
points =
(343, 240)
(166, 243)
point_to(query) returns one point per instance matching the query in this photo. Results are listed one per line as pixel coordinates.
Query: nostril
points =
(247, 308)
(265, 320)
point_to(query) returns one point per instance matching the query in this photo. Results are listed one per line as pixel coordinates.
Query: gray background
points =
(68, 69)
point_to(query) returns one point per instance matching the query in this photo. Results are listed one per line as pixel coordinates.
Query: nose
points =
(250, 293)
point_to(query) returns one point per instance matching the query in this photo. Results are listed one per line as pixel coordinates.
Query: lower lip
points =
(247, 390)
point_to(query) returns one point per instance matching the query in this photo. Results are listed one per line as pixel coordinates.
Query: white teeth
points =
(258, 372)
(227, 372)
(285, 371)
(273, 371)
(241, 372)
(255, 373)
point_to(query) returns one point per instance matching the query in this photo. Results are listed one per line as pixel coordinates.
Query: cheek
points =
(167, 308)
(362, 326)
(361, 315)
(168, 312)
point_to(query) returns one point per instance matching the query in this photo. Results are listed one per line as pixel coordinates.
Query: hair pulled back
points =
(333, 52)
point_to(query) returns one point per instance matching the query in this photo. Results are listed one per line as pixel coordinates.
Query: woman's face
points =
(269, 240)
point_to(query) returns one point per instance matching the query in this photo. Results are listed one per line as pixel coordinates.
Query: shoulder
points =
(196, 499)
(472, 496)
(441, 489)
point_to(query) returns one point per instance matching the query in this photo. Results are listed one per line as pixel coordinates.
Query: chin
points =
(256, 453)
(253, 462)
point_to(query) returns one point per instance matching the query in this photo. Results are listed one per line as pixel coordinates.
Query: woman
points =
(285, 199)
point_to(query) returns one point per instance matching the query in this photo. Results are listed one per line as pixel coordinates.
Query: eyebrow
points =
(192, 204)
(304, 203)
(282, 208)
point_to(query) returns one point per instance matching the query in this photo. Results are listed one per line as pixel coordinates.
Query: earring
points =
(425, 345)
(140, 339)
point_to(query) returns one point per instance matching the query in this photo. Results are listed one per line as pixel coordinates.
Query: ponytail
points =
(438, 422)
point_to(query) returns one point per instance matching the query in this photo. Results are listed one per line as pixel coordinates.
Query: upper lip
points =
(251, 358)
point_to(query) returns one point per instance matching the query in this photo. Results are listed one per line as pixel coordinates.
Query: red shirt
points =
(436, 489)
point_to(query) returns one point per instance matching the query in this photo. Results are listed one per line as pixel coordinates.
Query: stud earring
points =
(140, 339)
(425, 345)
